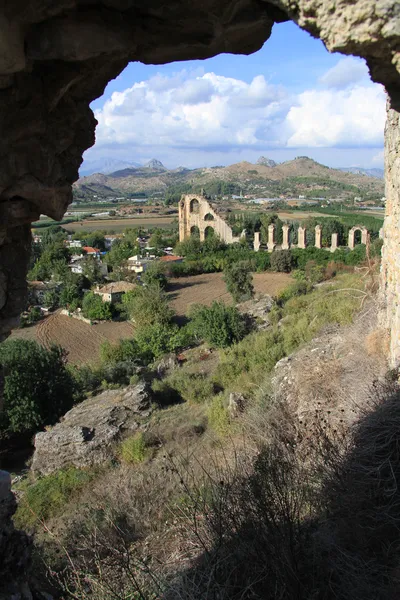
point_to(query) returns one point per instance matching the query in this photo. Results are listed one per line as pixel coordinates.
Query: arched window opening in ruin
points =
(357, 237)
(194, 206)
(195, 232)
(209, 217)
(209, 232)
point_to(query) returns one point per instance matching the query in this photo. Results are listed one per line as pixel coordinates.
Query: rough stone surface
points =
(86, 435)
(258, 309)
(328, 382)
(390, 270)
(14, 547)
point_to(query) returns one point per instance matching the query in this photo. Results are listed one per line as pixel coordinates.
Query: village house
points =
(38, 289)
(138, 264)
(91, 251)
(73, 243)
(113, 292)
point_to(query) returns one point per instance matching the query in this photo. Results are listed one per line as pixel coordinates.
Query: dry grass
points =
(377, 343)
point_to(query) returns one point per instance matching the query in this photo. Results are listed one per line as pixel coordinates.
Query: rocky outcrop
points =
(14, 548)
(56, 57)
(390, 271)
(267, 162)
(87, 434)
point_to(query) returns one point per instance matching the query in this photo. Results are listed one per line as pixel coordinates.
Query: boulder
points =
(87, 434)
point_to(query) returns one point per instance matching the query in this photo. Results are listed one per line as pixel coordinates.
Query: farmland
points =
(119, 225)
(203, 289)
(80, 340)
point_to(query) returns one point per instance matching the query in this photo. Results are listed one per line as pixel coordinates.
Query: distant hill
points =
(104, 165)
(378, 173)
(301, 176)
(155, 164)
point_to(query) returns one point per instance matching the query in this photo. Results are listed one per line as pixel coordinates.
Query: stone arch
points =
(209, 217)
(194, 206)
(352, 236)
(194, 231)
(209, 231)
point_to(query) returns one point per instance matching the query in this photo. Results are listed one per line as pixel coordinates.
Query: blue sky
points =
(290, 98)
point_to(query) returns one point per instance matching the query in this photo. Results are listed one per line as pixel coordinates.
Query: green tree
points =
(120, 251)
(91, 269)
(38, 388)
(51, 299)
(239, 281)
(218, 324)
(281, 260)
(94, 239)
(147, 305)
(94, 308)
(154, 275)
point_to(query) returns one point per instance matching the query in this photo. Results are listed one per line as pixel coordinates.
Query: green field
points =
(121, 224)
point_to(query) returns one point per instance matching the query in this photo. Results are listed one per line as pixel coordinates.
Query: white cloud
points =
(348, 71)
(348, 118)
(196, 112)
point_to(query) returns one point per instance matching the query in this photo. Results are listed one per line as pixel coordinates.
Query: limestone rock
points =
(14, 547)
(267, 162)
(258, 310)
(86, 435)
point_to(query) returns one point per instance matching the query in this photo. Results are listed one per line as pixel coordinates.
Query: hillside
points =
(301, 176)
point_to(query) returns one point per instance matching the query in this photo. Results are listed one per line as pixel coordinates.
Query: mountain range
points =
(266, 178)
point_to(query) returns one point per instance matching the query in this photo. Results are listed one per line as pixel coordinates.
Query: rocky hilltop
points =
(293, 177)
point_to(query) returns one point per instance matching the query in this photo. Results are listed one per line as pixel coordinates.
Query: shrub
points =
(299, 288)
(281, 261)
(218, 417)
(239, 281)
(160, 338)
(155, 275)
(219, 325)
(133, 449)
(94, 308)
(38, 389)
(147, 306)
(191, 387)
(47, 496)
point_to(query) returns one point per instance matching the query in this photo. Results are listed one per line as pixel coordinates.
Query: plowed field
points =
(82, 341)
(203, 289)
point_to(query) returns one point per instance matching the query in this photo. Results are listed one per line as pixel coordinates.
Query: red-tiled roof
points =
(169, 258)
(90, 250)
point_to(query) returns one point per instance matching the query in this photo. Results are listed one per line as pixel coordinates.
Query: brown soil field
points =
(204, 289)
(120, 224)
(80, 340)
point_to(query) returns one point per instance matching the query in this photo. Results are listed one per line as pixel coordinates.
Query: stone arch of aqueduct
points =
(197, 216)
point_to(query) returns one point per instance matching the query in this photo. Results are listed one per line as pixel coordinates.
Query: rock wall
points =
(390, 272)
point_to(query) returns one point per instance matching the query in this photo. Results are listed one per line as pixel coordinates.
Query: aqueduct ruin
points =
(57, 57)
(198, 216)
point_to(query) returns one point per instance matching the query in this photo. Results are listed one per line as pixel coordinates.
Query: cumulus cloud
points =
(346, 118)
(206, 112)
(348, 71)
